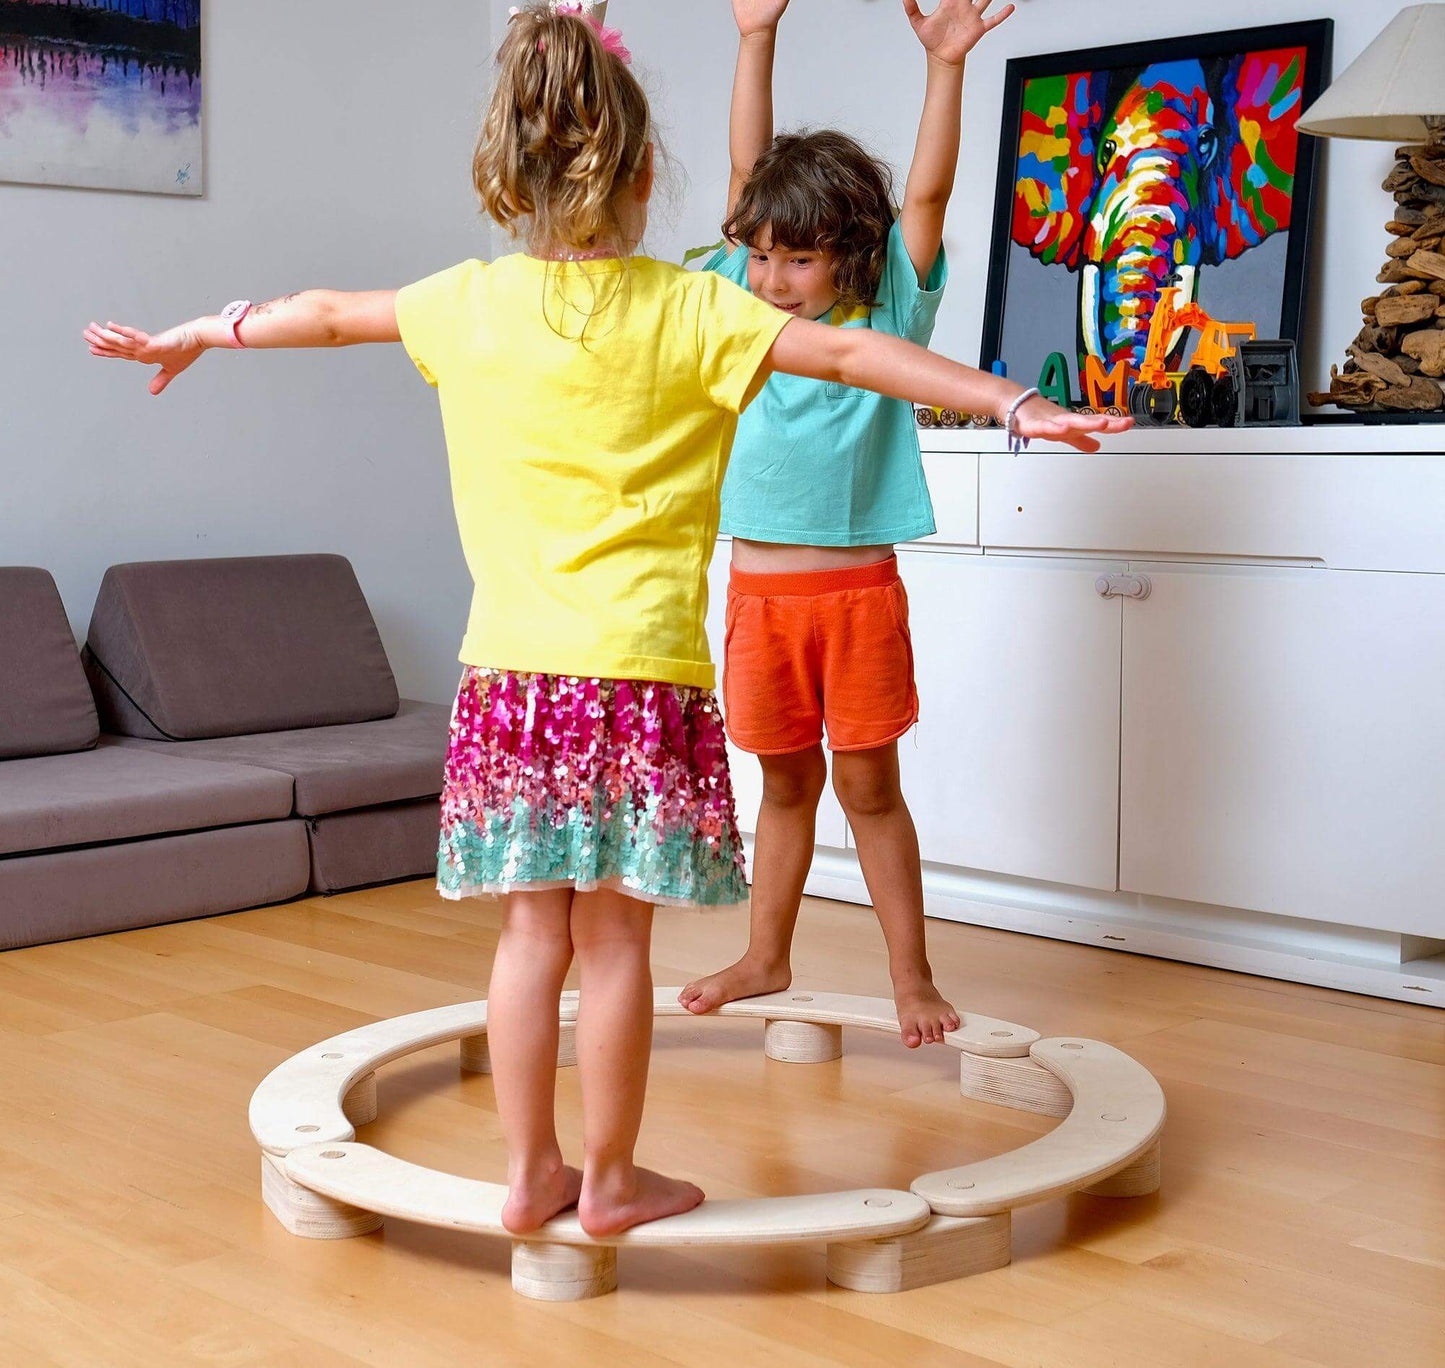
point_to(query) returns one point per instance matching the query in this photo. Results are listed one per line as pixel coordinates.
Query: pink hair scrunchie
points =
(611, 37)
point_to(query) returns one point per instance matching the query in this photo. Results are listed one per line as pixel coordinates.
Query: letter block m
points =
(1097, 383)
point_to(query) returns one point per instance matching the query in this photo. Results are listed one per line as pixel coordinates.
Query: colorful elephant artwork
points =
(1136, 178)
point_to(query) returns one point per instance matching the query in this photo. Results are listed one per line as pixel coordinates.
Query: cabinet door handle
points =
(1123, 586)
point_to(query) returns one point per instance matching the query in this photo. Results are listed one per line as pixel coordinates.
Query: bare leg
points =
(792, 785)
(533, 955)
(867, 785)
(613, 936)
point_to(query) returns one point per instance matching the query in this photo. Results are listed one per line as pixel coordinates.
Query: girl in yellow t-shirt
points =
(589, 398)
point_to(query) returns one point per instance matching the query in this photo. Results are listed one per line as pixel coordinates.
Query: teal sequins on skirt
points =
(558, 781)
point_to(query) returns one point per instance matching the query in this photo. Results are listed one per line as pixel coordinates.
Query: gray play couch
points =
(240, 741)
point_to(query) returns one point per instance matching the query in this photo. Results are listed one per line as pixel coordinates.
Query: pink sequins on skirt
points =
(555, 781)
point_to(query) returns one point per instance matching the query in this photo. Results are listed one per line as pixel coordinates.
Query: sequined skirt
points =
(554, 781)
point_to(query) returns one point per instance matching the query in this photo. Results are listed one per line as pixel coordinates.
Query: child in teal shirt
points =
(820, 464)
(823, 481)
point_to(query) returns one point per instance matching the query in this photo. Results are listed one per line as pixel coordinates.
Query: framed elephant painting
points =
(1126, 172)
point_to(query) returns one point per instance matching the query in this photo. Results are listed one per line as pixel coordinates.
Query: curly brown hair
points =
(821, 191)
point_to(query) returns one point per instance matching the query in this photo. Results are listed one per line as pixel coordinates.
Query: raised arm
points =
(313, 318)
(947, 35)
(750, 122)
(871, 360)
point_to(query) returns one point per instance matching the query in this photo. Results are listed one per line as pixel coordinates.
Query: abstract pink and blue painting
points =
(101, 93)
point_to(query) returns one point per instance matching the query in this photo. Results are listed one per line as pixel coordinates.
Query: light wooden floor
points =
(1302, 1219)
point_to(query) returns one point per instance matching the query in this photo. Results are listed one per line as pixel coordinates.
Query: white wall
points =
(856, 64)
(338, 136)
(337, 147)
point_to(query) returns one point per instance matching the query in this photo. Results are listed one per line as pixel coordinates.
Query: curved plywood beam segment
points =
(374, 1181)
(976, 1034)
(1117, 1115)
(299, 1101)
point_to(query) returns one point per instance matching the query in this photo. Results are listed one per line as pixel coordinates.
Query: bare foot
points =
(747, 978)
(533, 1198)
(629, 1197)
(923, 1014)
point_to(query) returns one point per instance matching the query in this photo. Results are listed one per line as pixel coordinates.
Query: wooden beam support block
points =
(567, 1045)
(948, 1247)
(1139, 1179)
(309, 1214)
(802, 1042)
(1018, 1083)
(477, 1059)
(562, 1272)
(359, 1104)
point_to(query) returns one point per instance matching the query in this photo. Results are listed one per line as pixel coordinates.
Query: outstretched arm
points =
(313, 318)
(871, 360)
(947, 35)
(750, 123)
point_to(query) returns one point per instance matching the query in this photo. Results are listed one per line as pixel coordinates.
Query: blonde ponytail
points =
(566, 130)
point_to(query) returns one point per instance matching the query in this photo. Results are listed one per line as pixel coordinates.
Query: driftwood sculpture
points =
(1397, 361)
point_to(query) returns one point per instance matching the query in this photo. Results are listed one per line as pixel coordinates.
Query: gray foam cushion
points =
(45, 703)
(181, 650)
(54, 895)
(335, 768)
(374, 845)
(114, 793)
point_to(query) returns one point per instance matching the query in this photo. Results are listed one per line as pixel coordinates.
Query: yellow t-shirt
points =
(586, 463)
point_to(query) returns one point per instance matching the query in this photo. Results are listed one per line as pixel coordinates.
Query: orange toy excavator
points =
(1213, 367)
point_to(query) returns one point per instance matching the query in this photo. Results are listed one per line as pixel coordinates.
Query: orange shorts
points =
(820, 648)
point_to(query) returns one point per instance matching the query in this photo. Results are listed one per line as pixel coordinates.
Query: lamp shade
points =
(1387, 92)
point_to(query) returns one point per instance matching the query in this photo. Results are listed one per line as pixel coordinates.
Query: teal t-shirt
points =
(821, 464)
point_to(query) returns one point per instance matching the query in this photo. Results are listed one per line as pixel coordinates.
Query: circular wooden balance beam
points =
(320, 1183)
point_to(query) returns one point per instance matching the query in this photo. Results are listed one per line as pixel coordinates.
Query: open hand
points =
(173, 350)
(758, 16)
(953, 29)
(1040, 418)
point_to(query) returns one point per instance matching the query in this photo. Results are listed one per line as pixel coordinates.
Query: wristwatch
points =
(232, 315)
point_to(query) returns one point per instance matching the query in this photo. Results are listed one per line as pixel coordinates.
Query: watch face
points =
(235, 309)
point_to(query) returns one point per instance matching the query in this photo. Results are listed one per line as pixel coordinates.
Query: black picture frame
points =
(1316, 36)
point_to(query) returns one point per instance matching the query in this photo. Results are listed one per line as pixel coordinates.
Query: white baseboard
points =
(1348, 958)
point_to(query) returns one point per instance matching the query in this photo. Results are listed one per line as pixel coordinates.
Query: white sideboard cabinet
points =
(1183, 698)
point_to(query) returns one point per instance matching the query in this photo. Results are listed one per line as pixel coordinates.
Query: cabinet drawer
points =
(953, 487)
(1377, 512)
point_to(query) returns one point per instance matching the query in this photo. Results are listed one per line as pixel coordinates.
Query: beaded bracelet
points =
(1016, 443)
